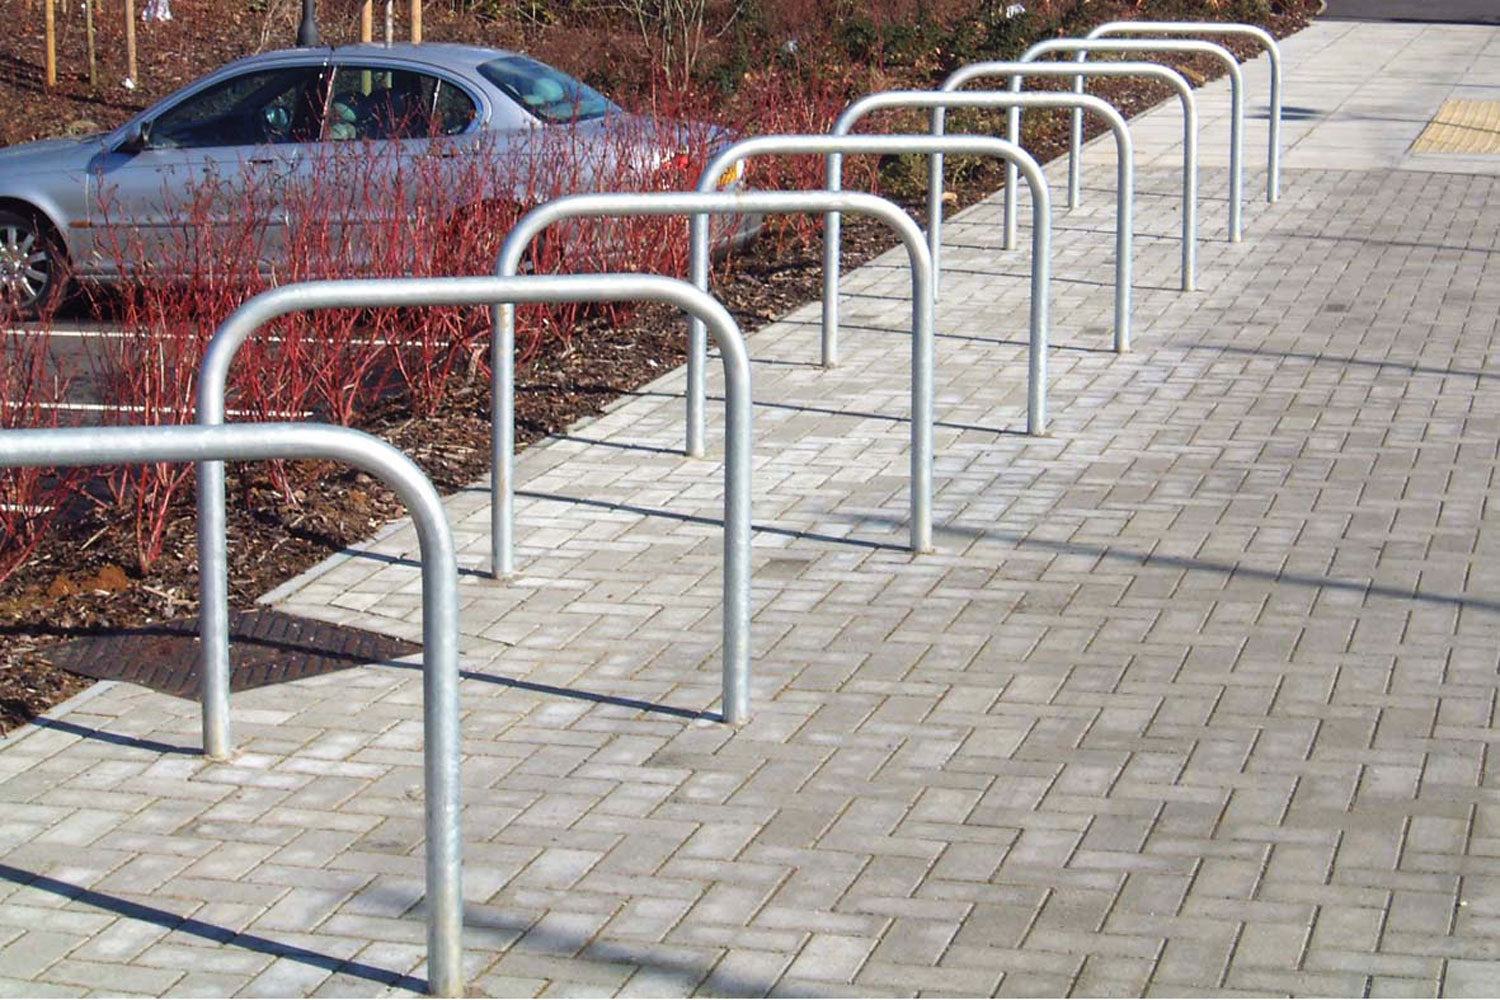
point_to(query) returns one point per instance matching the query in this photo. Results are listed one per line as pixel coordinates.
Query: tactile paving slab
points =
(265, 647)
(1462, 127)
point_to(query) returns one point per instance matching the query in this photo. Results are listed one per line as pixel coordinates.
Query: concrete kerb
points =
(1041, 207)
(706, 204)
(440, 715)
(1081, 49)
(1273, 54)
(1016, 70)
(940, 101)
(28, 729)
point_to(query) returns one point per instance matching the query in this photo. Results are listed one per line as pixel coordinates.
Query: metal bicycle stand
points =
(1173, 79)
(938, 101)
(1041, 208)
(1082, 47)
(723, 203)
(440, 720)
(490, 291)
(1273, 53)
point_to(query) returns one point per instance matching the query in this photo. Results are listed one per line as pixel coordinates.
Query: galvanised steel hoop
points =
(1170, 77)
(1124, 198)
(488, 291)
(854, 145)
(440, 719)
(716, 203)
(1081, 49)
(1273, 53)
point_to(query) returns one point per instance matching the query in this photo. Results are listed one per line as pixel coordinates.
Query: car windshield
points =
(552, 96)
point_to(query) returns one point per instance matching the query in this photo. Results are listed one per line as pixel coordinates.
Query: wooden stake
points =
(50, 18)
(416, 21)
(367, 21)
(130, 67)
(88, 27)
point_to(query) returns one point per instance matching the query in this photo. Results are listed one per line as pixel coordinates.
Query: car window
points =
(268, 106)
(549, 94)
(371, 102)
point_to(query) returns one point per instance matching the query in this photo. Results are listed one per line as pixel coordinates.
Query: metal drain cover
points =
(1462, 127)
(265, 647)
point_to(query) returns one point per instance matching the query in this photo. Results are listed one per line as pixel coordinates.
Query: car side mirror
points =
(137, 139)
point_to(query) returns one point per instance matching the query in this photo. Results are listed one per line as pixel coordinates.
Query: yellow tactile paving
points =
(1462, 127)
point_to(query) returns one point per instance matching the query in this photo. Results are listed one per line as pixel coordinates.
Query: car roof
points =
(438, 55)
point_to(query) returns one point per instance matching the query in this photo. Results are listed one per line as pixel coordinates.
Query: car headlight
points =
(733, 175)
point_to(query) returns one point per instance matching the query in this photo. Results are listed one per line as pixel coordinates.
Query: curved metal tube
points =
(1171, 77)
(1082, 47)
(1124, 193)
(1041, 207)
(723, 203)
(1273, 52)
(440, 719)
(408, 292)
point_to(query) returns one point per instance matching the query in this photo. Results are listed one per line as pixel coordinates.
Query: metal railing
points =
(440, 720)
(939, 101)
(1273, 53)
(1017, 70)
(718, 203)
(854, 145)
(489, 291)
(1082, 47)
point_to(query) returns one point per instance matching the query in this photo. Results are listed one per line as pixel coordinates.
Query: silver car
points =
(68, 205)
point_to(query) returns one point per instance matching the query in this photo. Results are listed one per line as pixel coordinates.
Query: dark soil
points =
(82, 580)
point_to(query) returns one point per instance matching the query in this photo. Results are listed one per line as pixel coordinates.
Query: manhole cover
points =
(1462, 127)
(265, 647)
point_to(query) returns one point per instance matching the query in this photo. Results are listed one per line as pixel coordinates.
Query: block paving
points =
(1194, 697)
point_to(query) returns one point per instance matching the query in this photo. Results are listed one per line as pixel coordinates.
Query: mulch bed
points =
(81, 580)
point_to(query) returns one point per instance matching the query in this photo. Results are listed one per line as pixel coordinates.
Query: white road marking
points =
(110, 334)
(104, 408)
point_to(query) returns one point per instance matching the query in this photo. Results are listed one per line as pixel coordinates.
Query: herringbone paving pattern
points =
(1194, 697)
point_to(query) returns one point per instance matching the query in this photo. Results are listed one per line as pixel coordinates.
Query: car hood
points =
(45, 154)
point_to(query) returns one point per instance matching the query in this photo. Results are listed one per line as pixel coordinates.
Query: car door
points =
(396, 162)
(211, 174)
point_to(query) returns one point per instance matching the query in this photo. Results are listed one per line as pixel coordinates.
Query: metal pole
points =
(1124, 198)
(1273, 53)
(307, 31)
(857, 144)
(414, 292)
(1014, 70)
(440, 717)
(708, 204)
(1081, 47)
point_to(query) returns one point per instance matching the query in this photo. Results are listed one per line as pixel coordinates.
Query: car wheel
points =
(32, 265)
